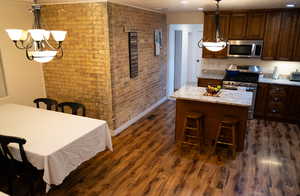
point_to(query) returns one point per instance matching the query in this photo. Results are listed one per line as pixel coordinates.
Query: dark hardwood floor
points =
(146, 161)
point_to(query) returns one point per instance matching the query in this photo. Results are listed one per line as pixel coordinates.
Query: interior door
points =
(194, 56)
(178, 60)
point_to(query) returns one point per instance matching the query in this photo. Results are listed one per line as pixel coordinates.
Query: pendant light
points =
(220, 43)
(36, 41)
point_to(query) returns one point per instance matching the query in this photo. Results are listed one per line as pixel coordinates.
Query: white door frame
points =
(185, 28)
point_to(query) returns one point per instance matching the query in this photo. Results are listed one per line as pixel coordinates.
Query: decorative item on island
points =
(213, 91)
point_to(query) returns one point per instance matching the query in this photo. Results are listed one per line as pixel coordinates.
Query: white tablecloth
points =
(56, 142)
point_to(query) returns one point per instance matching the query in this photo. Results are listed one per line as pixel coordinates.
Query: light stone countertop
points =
(279, 81)
(227, 97)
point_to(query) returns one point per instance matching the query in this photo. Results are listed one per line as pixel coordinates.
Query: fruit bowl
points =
(213, 90)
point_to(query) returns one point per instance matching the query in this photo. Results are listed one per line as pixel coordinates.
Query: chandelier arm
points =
(200, 43)
(28, 56)
(61, 54)
(17, 45)
(59, 45)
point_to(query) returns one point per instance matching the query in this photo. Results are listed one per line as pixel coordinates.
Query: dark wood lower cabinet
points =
(278, 102)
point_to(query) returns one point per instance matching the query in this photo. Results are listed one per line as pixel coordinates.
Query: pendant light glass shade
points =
(15, 34)
(42, 56)
(214, 46)
(219, 44)
(59, 36)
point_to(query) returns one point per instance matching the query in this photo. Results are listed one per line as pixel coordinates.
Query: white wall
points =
(190, 17)
(24, 79)
(196, 29)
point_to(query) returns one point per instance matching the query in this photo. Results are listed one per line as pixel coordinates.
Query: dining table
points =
(56, 142)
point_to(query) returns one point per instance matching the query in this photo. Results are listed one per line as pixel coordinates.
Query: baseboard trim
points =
(138, 117)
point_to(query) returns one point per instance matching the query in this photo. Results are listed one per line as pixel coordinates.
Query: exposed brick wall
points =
(95, 68)
(83, 74)
(133, 96)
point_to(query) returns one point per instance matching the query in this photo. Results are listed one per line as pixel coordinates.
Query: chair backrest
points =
(74, 106)
(5, 152)
(47, 101)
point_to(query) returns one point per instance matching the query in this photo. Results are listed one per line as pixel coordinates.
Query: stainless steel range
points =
(243, 78)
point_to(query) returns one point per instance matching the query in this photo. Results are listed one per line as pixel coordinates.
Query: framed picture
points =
(133, 54)
(157, 42)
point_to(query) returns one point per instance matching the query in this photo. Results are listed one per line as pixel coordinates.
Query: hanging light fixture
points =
(220, 43)
(36, 41)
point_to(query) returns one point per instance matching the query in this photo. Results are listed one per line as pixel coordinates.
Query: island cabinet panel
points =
(213, 114)
(256, 25)
(238, 26)
(287, 35)
(272, 30)
(204, 82)
(210, 34)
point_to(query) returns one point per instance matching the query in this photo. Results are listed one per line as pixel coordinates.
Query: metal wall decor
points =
(133, 54)
(157, 42)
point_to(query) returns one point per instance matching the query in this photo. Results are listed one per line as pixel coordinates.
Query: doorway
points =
(184, 61)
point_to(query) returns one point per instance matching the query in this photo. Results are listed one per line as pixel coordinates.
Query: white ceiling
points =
(175, 5)
(192, 5)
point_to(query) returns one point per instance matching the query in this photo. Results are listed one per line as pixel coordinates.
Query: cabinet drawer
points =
(277, 90)
(277, 99)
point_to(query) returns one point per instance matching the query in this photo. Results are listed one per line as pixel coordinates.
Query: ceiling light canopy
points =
(35, 41)
(219, 43)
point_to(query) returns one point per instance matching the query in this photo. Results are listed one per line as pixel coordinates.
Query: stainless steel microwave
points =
(245, 48)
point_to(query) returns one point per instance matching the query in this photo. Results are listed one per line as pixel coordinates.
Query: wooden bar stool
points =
(226, 134)
(193, 130)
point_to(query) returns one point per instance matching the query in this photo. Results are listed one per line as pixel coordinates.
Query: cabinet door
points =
(238, 25)
(296, 51)
(261, 99)
(287, 35)
(272, 29)
(210, 34)
(294, 103)
(256, 25)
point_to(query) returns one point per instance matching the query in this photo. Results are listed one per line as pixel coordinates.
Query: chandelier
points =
(220, 43)
(36, 41)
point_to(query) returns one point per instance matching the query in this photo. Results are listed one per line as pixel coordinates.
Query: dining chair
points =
(21, 176)
(75, 107)
(49, 103)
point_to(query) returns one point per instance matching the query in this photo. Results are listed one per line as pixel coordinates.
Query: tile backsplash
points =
(284, 67)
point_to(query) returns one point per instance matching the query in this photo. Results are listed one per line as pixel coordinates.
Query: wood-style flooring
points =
(146, 161)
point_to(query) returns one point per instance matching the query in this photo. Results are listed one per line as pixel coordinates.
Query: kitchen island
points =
(229, 103)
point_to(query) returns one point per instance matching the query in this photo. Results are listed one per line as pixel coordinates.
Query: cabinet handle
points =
(276, 99)
(274, 111)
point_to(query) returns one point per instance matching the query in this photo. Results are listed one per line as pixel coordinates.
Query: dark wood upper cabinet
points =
(287, 35)
(210, 33)
(296, 50)
(272, 30)
(256, 26)
(238, 26)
